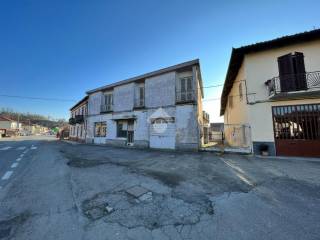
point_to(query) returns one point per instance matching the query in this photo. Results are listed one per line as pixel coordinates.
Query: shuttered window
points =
(141, 96)
(292, 72)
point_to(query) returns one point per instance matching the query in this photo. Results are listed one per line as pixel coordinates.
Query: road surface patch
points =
(14, 165)
(7, 175)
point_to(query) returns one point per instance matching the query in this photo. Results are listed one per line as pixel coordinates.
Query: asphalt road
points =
(63, 191)
(15, 154)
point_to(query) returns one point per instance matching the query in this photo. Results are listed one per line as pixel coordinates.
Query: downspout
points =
(195, 84)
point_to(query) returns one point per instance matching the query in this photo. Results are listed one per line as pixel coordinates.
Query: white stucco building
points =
(160, 109)
(273, 88)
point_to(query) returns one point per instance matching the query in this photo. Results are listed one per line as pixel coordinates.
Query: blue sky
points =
(60, 49)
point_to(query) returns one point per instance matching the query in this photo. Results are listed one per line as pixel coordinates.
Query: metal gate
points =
(297, 130)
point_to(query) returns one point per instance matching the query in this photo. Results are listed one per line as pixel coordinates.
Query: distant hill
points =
(33, 118)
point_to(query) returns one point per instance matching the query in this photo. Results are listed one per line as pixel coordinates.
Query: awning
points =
(124, 117)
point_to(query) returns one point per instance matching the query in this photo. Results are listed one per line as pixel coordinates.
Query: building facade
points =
(161, 109)
(78, 120)
(273, 89)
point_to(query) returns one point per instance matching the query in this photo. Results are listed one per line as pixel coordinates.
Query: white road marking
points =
(7, 175)
(33, 148)
(21, 148)
(21, 155)
(18, 159)
(14, 165)
(240, 173)
(5, 148)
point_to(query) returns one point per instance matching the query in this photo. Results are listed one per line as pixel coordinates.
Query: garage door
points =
(162, 134)
(297, 130)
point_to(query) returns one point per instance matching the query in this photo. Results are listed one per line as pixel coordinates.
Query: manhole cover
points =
(137, 191)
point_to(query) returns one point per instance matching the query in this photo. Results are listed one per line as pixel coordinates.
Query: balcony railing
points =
(72, 121)
(79, 119)
(185, 96)
(106, 108)
(293, 83)
(139, 103)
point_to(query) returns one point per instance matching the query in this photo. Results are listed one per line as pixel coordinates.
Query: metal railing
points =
(185, 96)
(72, 121)
(139, 103)
(106, 108)
(293, 82)
(79, 118)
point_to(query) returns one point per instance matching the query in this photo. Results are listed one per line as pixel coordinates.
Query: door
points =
(297, 130)
(162, 133)
(130, 135)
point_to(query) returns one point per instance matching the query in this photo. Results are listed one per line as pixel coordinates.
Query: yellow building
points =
(272, 94)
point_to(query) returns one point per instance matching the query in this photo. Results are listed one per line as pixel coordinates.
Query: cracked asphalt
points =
(69, 191)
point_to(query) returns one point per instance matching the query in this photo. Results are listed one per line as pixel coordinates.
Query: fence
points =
(232, 136)
(237, 135)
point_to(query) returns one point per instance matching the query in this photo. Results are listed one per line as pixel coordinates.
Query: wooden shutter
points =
(189, 88)
(183, 89)
(141, 95)
(286, 73)
(298, 63)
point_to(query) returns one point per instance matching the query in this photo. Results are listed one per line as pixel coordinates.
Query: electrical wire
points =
(38, 98)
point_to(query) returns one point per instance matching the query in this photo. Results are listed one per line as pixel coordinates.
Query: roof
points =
(79, 103)
(237, 56)
(150, 74)
(3, 118)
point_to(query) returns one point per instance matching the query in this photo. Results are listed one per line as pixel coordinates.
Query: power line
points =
(38, 98)
(212, 86)
(73, 100)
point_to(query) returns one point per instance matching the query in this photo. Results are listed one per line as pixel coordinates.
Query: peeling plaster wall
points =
(94, 103)
(160, 90)
(186, 127)
(123, 97)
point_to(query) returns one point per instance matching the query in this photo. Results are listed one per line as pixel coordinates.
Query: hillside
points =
(32, 118)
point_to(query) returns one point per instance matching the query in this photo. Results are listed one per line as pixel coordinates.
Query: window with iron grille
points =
(100, 129)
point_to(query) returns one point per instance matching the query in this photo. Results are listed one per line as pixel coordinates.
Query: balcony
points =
(105, 108)
(79, 119)
(294, 85)
(139, 103)
(72, 121)
(185, 97)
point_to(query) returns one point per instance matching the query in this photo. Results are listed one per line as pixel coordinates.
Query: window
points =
(240, 91)
(108, 102)
(292, 72)
(100, 129)
(186, 92)
(122, 129)
(230, 101)
(141, 96)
